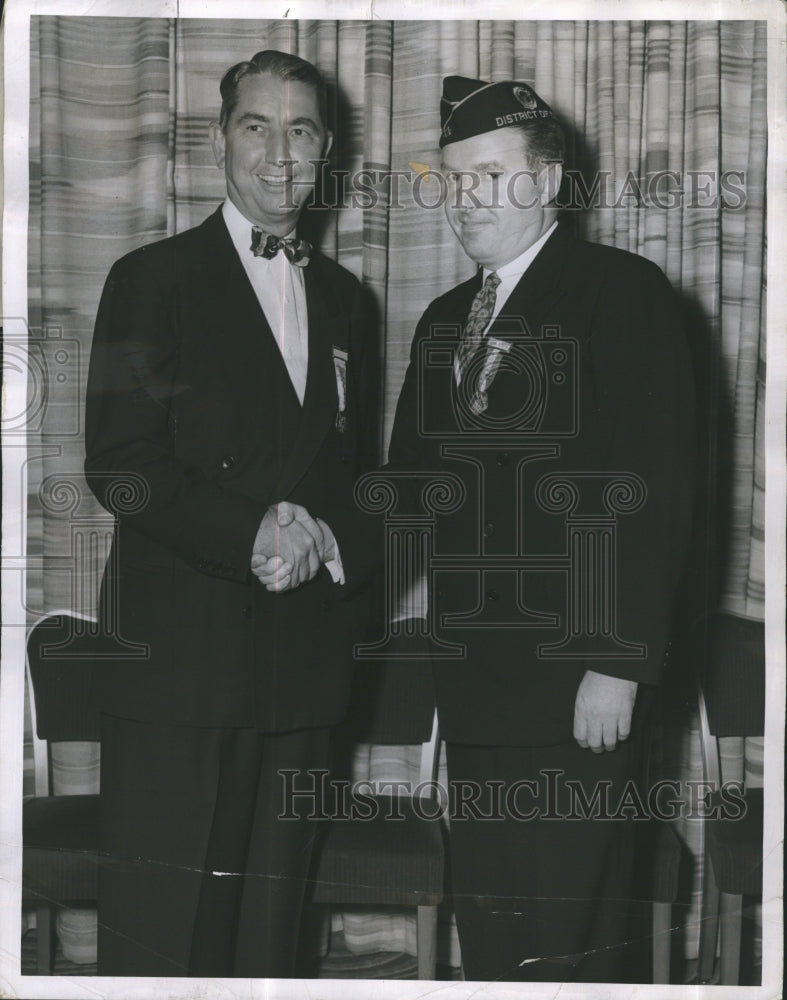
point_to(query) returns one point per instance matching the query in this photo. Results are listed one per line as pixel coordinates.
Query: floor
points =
(339, 963)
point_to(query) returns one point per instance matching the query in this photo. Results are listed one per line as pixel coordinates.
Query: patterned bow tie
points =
(296, 251)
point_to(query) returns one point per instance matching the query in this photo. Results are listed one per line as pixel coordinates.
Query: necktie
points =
(296, 251)
(477, 321)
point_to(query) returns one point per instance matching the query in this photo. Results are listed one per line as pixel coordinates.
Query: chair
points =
(731, 697)
(666, 880)
(385, 861)
(60, 832)
(664, 850)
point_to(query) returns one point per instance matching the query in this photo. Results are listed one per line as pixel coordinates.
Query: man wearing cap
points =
(555, 386)
(229, 370)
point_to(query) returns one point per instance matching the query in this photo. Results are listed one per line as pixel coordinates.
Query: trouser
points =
(540, 892)
(201, 877)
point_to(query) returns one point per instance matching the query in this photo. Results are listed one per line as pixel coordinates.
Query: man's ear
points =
(550, 176)
(217, 142)
(328, 144)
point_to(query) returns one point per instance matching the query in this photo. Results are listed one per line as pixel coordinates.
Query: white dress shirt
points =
(281, 292)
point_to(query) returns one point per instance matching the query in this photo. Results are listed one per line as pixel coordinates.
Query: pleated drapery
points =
(119, 157)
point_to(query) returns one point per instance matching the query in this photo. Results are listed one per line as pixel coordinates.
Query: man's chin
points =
(476, 246)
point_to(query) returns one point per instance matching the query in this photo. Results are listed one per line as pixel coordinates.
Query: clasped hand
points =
(290, 547)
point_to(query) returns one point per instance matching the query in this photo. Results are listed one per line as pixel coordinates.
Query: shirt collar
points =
(239, 227)
(516, 268)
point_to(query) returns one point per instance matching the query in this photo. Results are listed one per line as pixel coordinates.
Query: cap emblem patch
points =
(526, 98)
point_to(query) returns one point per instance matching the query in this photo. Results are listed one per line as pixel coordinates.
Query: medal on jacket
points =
(340, 368)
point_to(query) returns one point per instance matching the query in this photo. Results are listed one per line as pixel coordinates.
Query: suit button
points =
(228, 461)
(502, 458)
(489, 529)
(492, 595)
(247, 611)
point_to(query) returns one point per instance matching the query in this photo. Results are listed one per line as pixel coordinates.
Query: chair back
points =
(60, 653)
(393, 702)
(730, 684)
(733, 675)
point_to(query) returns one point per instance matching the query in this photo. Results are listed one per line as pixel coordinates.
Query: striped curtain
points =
(119, 157)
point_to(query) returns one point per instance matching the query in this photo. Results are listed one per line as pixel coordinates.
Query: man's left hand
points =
(273, 573)
(602, 711)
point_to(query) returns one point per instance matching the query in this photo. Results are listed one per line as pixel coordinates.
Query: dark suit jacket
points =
(189, 402)
(616, 396)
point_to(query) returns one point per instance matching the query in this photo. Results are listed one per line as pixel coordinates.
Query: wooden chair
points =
(663, 850)
(731, 701)
(60, 832)
(665, 886)
(396, 858)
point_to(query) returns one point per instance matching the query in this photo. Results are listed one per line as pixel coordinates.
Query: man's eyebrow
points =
(305, 120)
(252, 116)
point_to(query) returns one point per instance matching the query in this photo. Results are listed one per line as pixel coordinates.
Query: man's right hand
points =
(288, 549)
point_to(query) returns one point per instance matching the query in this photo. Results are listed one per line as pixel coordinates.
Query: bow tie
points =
(296, 251)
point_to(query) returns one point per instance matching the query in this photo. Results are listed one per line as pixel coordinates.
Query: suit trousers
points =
(542, 893)
(201, 876)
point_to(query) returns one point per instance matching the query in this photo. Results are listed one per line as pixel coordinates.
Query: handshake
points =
(290, 547)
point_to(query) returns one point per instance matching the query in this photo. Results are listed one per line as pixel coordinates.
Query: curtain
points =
(119, 157)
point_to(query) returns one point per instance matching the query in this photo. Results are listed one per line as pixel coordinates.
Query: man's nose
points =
(277, 147)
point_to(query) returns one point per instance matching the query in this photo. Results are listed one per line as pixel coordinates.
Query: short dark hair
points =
(273, 63)
(544, 141)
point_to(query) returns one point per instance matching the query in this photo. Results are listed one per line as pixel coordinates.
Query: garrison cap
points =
(472, 107)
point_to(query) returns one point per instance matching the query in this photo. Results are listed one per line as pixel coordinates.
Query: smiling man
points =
(227, 372)
(556, 385)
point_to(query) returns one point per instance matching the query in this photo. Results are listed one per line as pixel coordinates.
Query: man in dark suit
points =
(229, 367)
(556, 387)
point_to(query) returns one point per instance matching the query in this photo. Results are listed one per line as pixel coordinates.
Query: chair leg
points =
(426, 928)
(709, 923)
(44, 923)
(662, 941)
(730, 939)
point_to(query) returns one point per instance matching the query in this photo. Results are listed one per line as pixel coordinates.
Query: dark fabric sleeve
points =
(645, 396)
(405, 450)
(130, 431)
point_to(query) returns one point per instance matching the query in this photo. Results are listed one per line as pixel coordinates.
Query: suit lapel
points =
(536, 291)
(520, 316)
(327, 331)
(244, 312)
(328, 328)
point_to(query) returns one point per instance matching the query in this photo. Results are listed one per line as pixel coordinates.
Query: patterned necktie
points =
(296, 251)
(477, 321)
